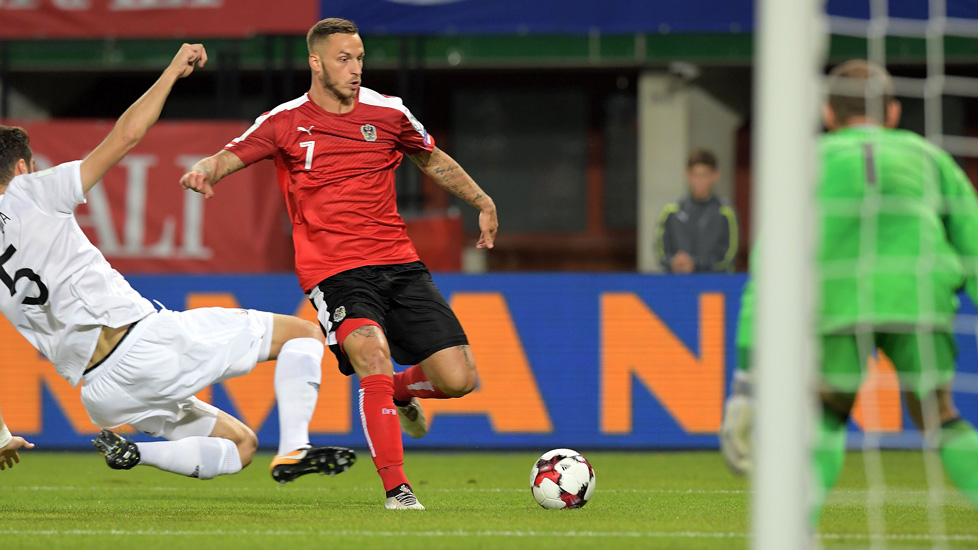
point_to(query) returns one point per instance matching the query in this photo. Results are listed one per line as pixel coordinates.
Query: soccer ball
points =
(562, 479)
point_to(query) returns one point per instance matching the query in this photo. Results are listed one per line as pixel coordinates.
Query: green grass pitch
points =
(475, 500)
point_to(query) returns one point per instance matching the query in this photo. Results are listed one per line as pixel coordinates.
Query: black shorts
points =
(401, 298)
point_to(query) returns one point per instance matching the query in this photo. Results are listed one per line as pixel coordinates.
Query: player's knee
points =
(367, 350)
(459, 383)
(247, 448)
(295, 327)
(308, 329)
(371, 362)
(247, 443)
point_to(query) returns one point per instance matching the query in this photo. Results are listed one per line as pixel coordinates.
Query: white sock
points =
(200, 457)
(298, 373)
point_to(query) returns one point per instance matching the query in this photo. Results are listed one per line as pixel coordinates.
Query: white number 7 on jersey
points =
(309, 145)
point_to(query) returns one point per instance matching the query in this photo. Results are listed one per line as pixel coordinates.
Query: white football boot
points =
(413, 421)
(404, 499)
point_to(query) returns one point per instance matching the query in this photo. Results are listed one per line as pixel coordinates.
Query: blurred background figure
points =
(698, 233)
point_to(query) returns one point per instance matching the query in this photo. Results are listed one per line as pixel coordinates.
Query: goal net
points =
(792, 46)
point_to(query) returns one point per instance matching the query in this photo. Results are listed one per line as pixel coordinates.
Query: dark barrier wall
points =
(577, 360)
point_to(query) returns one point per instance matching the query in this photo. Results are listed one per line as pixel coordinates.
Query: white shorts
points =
(150, 378)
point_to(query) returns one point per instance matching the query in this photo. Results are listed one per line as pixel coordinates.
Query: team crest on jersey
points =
(339, 314)
(369, 132)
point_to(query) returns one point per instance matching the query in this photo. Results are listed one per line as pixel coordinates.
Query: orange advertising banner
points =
(52, 19)
(143, 221)
(580, 360)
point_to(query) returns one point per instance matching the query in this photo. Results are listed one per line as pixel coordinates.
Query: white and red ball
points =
(562, 479)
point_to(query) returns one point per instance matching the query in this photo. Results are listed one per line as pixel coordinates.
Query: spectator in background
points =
(698, 233)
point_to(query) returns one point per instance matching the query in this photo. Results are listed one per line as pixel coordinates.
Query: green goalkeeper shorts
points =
(743, 358)
(924, 361)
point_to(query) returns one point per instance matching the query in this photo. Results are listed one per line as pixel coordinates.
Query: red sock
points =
(379, 419)
(413, 383)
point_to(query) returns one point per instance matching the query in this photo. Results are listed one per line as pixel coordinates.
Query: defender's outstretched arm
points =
(137, 120)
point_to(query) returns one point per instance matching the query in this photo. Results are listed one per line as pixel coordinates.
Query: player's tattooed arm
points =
(219, 166)
(205, 173)
(449, 175)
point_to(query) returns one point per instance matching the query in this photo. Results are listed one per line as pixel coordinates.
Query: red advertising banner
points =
(28, 19)
(143, 221)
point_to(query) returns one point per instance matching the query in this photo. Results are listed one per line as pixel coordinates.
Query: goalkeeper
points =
(898, 237)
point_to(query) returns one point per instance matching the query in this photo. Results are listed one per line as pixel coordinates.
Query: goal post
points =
(789, 55)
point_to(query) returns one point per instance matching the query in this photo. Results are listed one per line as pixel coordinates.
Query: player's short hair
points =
(323, 29)
(857, 86)
(701, 156)
(14, 145)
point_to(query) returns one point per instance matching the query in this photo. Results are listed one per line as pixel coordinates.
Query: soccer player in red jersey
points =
(335, 151)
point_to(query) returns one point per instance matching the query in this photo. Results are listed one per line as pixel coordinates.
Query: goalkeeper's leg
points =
(841, 371)
(830, 446)
(957, 441)
(926, 363)
(959, 454)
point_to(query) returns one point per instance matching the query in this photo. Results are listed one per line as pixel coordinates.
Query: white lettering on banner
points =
(41, 162)
(135, 228)
(193, 216)
(116, 5)
(133, 5)
(20, 4)
(100, 218)
(73, 5)
(134, 231)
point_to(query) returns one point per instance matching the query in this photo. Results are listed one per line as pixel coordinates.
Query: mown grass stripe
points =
(892, 537)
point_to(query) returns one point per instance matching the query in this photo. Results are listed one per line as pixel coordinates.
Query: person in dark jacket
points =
(698, 233)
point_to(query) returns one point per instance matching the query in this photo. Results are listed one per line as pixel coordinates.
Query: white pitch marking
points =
(462, 533)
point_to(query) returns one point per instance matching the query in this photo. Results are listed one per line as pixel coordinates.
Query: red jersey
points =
(336, 172)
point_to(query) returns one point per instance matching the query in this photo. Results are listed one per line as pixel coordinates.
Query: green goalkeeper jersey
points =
(898, 231)
(898, 234)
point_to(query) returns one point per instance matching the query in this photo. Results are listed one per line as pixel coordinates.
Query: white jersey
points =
(56, 288)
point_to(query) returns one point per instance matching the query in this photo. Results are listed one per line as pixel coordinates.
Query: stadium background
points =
(575, 116)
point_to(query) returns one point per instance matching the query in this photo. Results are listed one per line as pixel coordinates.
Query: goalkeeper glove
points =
(736, 429)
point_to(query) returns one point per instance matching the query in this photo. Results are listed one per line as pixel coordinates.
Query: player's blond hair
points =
(858, 86)
(14, 145)
(323, 29)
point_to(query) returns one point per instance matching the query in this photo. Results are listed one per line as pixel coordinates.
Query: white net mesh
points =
(939, 101)
(875, 405)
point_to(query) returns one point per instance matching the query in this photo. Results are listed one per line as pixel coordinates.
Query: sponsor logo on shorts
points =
(369, 132)
(339, 314)
(389, 411)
